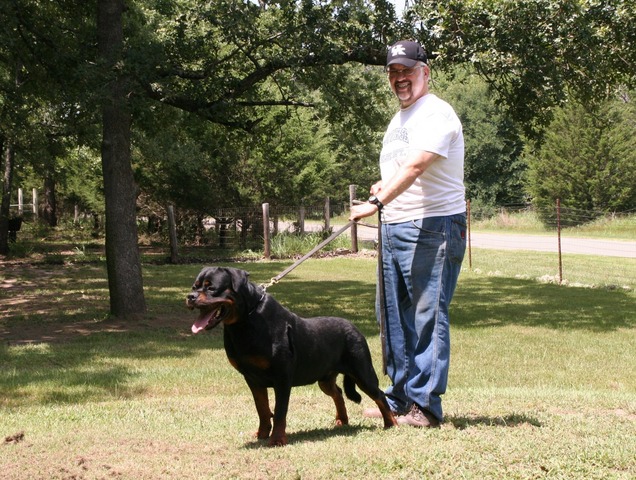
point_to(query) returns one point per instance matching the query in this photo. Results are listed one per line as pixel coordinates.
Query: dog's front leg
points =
(261, 400)
(281, 396)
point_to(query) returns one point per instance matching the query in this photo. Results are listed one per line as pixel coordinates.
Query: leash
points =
(382, 295)
(278, 277)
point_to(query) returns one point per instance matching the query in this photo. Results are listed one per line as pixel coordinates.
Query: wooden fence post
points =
(558, 214)
(172, 227)
(301, 221)
(354, 227)
(267, 247)
(20, 202)
(327, 214)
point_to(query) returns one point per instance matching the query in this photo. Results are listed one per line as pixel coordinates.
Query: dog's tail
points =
(350, 389)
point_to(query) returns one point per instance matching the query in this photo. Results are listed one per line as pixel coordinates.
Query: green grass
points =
(578, 270)
(541, 382)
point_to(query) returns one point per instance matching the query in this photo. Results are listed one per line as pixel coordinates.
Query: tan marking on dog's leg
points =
(330, 388)
(259, 361)
(261, 400)
(387, 414)
(279, 437)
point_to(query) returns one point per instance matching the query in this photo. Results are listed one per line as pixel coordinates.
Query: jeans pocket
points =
(457, 239)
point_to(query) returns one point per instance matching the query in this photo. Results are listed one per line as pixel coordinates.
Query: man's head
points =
(408, 72)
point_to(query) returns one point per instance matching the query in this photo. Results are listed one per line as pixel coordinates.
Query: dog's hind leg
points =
(369, 384)
(387, 414)
(261, 400)
(330, 388)
(377, 395)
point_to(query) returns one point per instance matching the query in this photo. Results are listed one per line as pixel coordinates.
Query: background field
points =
(541, 382)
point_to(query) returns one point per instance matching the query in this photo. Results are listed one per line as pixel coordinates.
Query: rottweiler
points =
(273, 347)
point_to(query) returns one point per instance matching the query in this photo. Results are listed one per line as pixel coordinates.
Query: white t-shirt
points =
(429, 124)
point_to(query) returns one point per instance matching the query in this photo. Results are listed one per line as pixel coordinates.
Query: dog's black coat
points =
(275, 348)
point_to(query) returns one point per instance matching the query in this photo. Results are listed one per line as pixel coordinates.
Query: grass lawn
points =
(541, 385)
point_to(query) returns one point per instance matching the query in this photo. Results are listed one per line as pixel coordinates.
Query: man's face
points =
(408, 84)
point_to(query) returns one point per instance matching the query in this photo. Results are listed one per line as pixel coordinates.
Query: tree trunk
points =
(122, 251)
(7, 155)
(49, 208)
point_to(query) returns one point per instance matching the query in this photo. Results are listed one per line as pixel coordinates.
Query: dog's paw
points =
(278, 441)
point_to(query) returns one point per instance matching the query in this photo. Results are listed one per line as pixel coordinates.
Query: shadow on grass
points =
(512, 420)
(499, 301)
(93, 368)
(315, 435)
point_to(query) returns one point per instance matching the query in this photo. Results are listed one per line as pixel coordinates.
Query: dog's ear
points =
(239, 278)
(198, 281)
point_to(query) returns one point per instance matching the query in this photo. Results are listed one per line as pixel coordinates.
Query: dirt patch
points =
(15, 438)
(30, 306)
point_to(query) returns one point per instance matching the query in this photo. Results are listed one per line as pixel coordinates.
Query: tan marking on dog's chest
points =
(258, 361)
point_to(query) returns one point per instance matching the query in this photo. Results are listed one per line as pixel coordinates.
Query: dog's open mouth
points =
(211, 315)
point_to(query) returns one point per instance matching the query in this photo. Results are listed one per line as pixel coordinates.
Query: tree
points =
(184, 55)
(42, 47)
(587, 161)
(535, 54)
(125, 282)
(494, 169)
(293, 155)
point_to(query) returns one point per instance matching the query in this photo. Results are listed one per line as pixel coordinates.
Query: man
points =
(421, 199)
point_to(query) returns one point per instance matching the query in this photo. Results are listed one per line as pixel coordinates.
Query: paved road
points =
(539, 243)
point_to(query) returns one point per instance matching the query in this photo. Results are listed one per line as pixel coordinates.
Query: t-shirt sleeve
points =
(434, 133)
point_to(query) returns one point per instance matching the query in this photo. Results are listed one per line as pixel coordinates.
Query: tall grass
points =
(527, 221)
(289, 244)
(541, 383)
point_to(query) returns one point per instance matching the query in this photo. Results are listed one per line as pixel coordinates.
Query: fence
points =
(243, 224)
(33, 206)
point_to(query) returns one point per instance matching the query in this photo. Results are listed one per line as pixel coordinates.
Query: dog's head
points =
(215, 294)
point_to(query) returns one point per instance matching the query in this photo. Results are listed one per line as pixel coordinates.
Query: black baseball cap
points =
(406, 53)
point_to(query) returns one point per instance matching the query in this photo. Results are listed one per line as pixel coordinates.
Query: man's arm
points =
(386, 192)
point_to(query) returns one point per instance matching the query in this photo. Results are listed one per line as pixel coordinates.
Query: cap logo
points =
(397, 50)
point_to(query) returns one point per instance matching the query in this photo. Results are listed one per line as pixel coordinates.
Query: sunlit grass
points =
(541, 383)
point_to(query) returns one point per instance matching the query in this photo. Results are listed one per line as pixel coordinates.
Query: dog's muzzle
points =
(212, 311)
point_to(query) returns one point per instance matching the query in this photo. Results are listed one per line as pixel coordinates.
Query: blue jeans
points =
(421, 260)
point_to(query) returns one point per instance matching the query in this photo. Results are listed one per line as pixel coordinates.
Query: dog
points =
(275, 348)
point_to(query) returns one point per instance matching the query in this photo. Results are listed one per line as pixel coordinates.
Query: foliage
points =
(215, 58)
(587, 160)
(493, 170)
(295, 155)
(535, 54)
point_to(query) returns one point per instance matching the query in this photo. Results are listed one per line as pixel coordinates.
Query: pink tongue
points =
(202, 322)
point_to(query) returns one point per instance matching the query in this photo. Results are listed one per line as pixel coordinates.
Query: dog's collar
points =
(260, 300)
